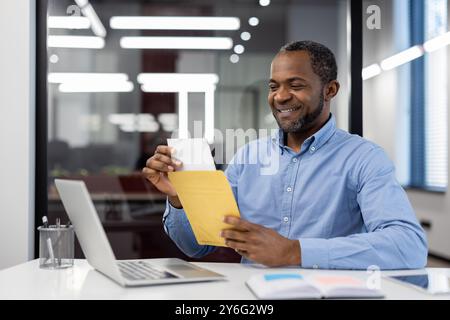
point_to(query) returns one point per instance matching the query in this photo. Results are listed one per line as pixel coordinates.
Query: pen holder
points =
(56, 247)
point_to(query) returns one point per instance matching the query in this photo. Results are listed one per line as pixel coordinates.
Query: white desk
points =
(28, 281)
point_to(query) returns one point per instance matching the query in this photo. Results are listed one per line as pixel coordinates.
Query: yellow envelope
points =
(206, 197)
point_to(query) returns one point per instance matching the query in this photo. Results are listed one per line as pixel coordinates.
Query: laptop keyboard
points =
(141, 270)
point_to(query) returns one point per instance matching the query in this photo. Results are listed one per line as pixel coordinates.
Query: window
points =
(429, 142)
(436, 99)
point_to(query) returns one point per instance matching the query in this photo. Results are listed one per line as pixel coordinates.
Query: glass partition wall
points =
(123, 76)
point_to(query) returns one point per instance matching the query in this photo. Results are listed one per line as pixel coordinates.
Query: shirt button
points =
(289, 189)
(312, 149)
(285, 219)
(294, 160)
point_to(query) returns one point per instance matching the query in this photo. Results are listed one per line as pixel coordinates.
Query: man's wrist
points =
(175, 202)
(294, 256)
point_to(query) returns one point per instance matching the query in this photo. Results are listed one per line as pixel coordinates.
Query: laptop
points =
(95, 245)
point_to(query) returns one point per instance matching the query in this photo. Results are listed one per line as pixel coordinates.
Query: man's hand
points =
(261, 244)
(156, 172)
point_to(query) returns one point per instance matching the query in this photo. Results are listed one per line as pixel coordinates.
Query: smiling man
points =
(333, 203)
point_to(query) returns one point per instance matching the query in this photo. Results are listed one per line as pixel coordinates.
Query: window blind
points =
(436, 100)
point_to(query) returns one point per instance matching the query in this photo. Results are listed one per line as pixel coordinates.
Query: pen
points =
(58, 226)
(50, 251)
(45, 221)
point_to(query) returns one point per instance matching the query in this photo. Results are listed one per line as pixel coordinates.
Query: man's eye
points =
(272, 87)
(297, 87)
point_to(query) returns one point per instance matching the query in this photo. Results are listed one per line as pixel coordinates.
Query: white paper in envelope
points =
(194, 153)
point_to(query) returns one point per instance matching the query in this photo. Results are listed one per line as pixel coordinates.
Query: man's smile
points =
(287, 112)
(284, 110)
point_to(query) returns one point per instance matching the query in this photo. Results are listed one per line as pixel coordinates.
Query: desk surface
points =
(28, 281)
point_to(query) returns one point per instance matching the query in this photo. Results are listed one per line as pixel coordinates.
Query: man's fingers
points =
(158, 158)
(149, 173)
(157, 165)
(239, 223)
(234, 235)
(160, 162)
(167, 160)
(164, 150)
(242, 252)
(236, 245)
(164, 154)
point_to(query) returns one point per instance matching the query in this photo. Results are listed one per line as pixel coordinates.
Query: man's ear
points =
(331, 89)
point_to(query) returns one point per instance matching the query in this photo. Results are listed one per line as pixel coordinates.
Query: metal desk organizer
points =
(56, 246)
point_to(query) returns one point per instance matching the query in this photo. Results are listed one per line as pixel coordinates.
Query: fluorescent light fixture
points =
(246, 36)
(177, 82)
(88, 11)
(87, 42)
(155, 87)
(253, 21)
(150, 127)
(205, 78)
(121, 118)
(70, 87)
(214, 43)
(54, 58)
(402, 58)
(264, 3)
(130, 122)
(175, 23)
(370, 71)
(62, 77)
(437, 42)
(234, 58)
(239, 48)
(68, 22)
(91, 82)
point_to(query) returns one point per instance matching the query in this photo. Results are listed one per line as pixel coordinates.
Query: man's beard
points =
(304, 123)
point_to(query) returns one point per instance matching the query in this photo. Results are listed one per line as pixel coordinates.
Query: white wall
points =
(385, 120)
(17, 123)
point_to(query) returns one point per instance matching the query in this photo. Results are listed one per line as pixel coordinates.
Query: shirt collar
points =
(316, 141)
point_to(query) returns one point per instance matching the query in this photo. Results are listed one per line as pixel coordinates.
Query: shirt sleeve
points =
(178, 228)
(393, 239)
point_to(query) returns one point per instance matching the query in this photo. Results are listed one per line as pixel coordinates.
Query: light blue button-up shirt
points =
(338, 196)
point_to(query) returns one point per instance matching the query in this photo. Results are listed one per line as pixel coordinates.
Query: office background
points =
(103, 137)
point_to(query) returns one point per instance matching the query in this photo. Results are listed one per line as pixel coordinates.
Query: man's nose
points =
(282, 95)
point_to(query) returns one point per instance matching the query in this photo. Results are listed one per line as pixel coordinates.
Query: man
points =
(334, 202)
